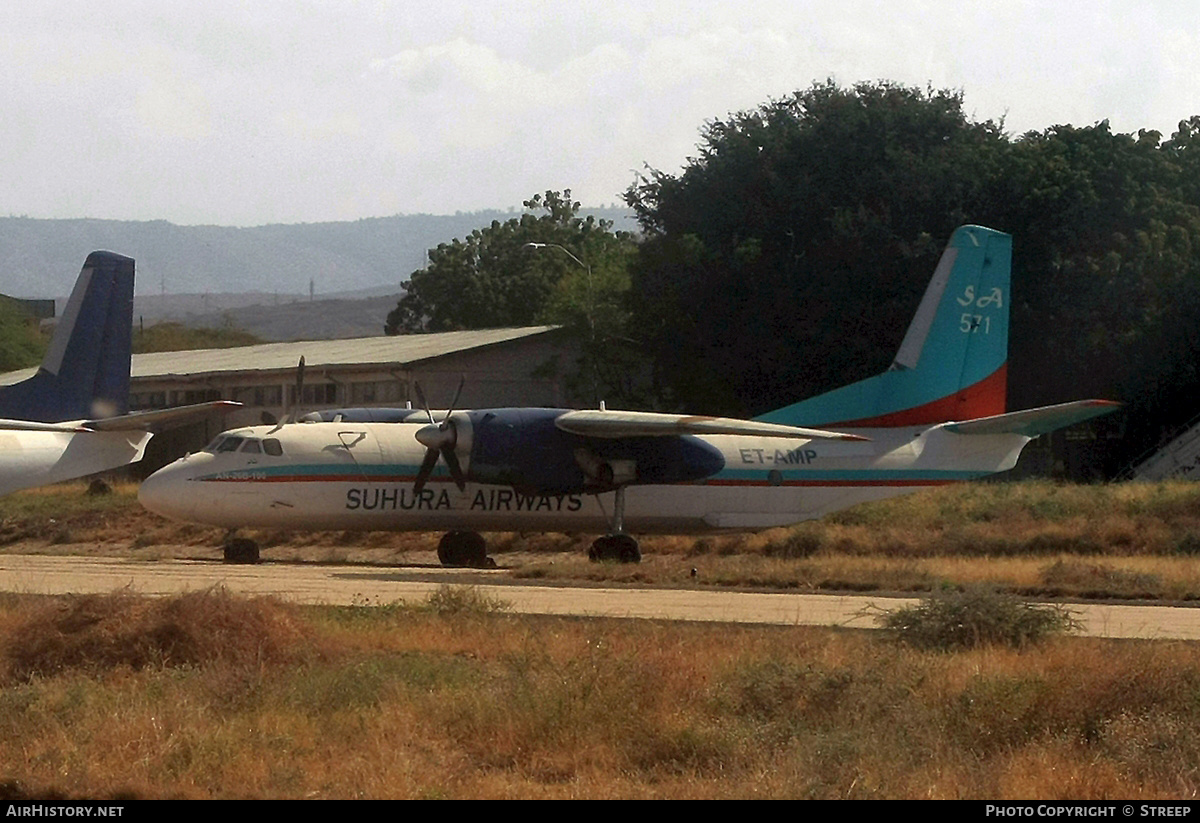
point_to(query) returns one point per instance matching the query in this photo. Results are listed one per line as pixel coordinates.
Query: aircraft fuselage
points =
(361, 476)
(37, 458)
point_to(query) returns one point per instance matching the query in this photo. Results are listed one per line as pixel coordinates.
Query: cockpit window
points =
(229, 444)
(272, 447)
(251, 446)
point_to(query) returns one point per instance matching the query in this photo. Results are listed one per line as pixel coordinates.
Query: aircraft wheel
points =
(619, 548)
(241, 550)
(462, 548)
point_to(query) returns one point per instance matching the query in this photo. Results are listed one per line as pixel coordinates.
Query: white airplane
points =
(68, 420)
(936, 416)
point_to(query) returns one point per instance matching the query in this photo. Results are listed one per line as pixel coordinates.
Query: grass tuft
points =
(107, 631)
(973, 617)
(465, 600)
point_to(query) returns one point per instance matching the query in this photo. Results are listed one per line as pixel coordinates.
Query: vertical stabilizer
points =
(85, 373)
(953, 362)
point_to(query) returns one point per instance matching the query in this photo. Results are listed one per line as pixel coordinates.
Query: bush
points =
(977, 616)
(449, 600)
(98, 632)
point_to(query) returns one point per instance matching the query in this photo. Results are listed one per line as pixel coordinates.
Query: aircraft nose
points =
(164, 493)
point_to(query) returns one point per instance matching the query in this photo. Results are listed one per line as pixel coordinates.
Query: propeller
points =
(439, 439)
(290, 415)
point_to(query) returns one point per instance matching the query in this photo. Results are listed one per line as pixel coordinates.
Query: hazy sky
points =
(252, 112)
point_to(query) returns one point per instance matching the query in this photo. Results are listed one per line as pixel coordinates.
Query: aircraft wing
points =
(616, 424)
(1033, 422)
(34, 426)
(158, 417)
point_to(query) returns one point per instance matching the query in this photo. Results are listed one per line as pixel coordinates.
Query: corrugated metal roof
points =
(395, 352)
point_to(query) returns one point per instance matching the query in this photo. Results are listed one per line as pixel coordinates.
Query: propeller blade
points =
(439, 439)
(289, 412)
(421, 400)
(455, 469)
(431, 457)
(462, 379)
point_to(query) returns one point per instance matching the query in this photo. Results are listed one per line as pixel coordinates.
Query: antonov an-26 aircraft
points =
(936, 416)
(68, 420)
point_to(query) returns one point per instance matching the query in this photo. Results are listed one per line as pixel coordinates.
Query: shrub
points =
(102, 631)
(976, 616)
(447, 600)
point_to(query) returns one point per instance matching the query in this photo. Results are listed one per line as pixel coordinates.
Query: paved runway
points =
(345, 585)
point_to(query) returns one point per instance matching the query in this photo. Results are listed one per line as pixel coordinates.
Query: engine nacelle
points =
(524, 449)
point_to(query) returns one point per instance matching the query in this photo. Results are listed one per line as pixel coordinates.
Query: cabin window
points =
(272, 447)
(229, 444)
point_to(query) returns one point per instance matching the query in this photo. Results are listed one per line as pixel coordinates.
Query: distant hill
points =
(41, 258)
(293, 318)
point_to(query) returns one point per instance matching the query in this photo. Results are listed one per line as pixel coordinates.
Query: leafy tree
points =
(493, 278)
(828, 199)
(787, 258)
(21, 344)
(1106, 287)
(547, 266)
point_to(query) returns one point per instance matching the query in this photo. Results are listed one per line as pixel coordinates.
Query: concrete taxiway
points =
(366, 585)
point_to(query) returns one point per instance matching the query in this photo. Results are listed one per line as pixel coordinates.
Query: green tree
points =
(21, 344)
(787, 258)
(789, 215)
(493, 278)
(547, 266)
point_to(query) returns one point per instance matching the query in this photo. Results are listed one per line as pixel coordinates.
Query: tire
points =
(617, 548)
(626, 549)
(241, 550)
(463, 548)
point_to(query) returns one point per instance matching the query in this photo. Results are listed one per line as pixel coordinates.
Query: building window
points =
(191, 396)
(148, 400)
(377, 391)
(259, 395)
(317, 394)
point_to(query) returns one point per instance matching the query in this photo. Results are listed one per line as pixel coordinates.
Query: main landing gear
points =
(240, 550)
(462, 548)
(616, 545)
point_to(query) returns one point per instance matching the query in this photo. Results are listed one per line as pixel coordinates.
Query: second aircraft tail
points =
(85, 373)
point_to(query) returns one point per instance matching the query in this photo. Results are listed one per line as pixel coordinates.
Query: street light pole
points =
(590, 304)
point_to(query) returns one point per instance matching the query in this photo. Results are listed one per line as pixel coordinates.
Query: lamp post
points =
(590, 307)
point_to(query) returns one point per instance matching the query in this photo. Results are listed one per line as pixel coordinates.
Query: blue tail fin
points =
(953, 363)
(85, 373)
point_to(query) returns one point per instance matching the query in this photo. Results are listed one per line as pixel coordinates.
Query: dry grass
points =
(412, 702)
(101, 632)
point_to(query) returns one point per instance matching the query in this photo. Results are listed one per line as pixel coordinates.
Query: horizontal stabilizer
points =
(614, 424)
(159, 417)
(1033, 422)
(34, 426)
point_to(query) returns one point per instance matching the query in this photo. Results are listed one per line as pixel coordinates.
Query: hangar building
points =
(501, 367)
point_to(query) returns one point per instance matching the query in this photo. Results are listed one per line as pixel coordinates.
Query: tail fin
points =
(85, 372)
(953, 362)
